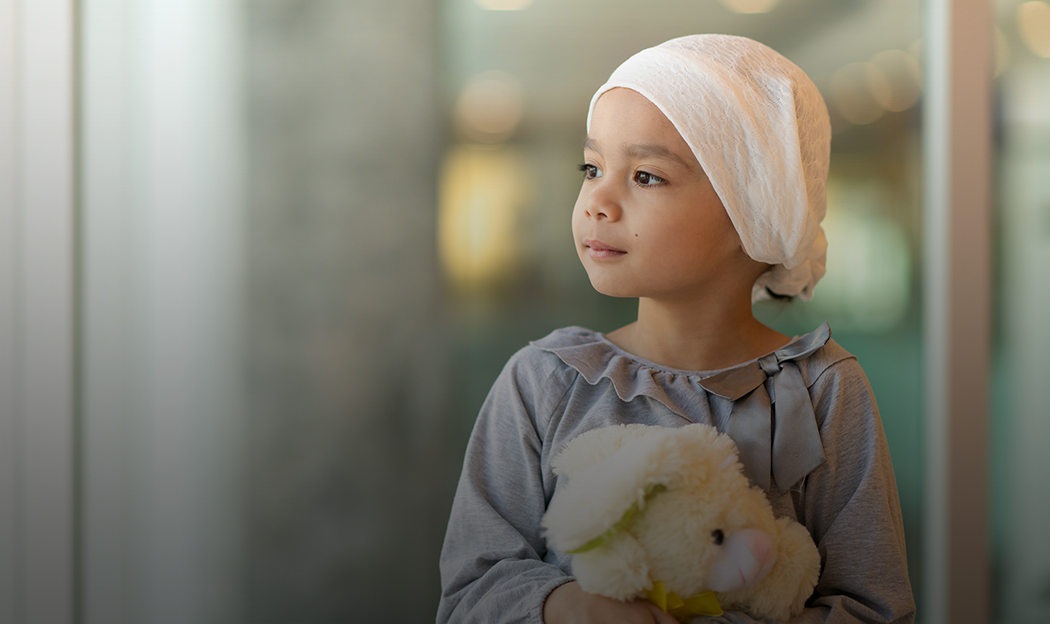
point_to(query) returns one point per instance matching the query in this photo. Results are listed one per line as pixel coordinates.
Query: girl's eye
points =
(647, 179)
(590, 172)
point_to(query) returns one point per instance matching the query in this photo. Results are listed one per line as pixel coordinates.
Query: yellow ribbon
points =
(700, 604)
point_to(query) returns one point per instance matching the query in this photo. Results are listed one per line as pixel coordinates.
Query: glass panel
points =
(313, 232)
(1021, 417)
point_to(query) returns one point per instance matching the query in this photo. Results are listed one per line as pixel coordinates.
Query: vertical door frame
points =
(957, 155)
(37, 311)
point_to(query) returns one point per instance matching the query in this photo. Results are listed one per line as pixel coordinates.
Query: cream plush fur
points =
(708, 530)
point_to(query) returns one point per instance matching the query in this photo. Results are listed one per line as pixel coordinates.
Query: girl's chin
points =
(614, 290)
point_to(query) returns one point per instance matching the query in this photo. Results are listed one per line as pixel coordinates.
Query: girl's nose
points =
(603, 205)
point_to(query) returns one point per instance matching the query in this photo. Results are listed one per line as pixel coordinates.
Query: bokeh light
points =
(903, 80)
(868, 284)
(750, 6)
(489, 108)
(503, 5)
(1033, 22)
(483, 192)
(856, 89)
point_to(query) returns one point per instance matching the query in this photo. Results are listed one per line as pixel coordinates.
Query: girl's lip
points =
(598, 249)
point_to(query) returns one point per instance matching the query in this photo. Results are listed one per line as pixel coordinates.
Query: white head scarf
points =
(760, 130)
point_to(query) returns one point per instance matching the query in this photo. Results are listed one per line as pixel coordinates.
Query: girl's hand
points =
(569, 604)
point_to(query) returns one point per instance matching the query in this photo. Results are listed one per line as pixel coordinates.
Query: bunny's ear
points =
(602, 498)
(623, 523)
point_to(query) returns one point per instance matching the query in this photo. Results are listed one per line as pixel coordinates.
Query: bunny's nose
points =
(746, 557)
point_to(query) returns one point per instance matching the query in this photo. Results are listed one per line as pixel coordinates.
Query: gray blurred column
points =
(345, 375)
(161, 252)
(37, 382)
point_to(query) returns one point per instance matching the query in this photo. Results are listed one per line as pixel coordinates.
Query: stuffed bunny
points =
(666, 514)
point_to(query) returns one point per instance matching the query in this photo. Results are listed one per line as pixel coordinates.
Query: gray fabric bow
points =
(772, 422)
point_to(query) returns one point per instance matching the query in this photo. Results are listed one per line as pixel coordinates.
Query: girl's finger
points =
(659, 615)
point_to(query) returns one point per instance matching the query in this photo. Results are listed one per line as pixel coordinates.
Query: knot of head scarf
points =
(760, 130)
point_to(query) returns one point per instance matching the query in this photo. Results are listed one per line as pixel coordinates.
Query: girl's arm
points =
(494, 564)
(495, 567)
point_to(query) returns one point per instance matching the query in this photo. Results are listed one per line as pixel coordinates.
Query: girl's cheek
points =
(579, 209)
(576, 222)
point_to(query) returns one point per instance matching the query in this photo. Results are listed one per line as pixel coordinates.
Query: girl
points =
(704, 172)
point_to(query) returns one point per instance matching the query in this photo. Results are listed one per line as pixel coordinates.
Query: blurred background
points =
(312, 231)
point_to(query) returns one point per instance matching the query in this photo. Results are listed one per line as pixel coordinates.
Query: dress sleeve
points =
(492, 563)
(851, 508)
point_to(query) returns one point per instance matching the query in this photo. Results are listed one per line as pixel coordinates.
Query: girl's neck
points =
(697, 337)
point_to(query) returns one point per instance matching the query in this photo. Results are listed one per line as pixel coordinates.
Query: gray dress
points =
(803, 417)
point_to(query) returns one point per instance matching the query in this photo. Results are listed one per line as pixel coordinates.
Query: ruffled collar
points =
(787, 371)
(595, 358)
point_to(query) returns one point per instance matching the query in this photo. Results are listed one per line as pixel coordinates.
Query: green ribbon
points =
(700, 604)
(625, 520)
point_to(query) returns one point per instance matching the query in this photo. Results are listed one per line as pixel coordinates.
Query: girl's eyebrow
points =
(642, 150)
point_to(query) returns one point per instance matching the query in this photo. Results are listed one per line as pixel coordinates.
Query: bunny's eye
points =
(718, 536)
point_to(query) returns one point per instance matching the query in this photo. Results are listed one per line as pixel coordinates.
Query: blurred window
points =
(313, 233)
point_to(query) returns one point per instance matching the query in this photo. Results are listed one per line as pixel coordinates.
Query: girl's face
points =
(647, 222)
